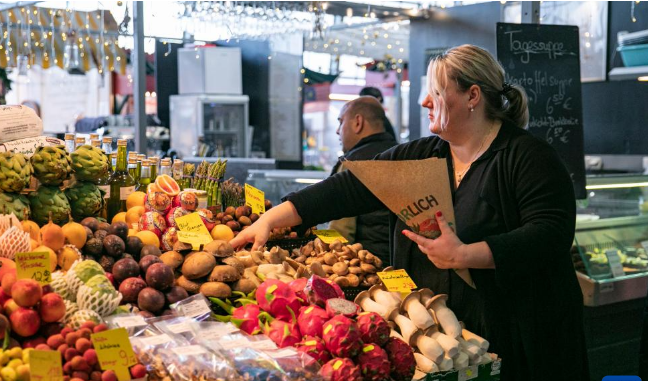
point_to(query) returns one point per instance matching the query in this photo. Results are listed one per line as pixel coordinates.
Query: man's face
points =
(346, 129)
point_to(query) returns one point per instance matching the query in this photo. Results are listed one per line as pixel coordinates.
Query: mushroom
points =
(461, 361)
(446, 317)
(446, 364)
(425, 364)
(430, 348)
(364, 300)
(426, 295)
(449, 345)
(407, 328)
(396, 334)
(383, 297)
(473, 351)
(416, 311)
(219, 248)
(475, 339)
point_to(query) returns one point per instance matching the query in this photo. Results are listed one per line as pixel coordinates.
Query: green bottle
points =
(122, 183)
(132, 168)
(145, 177)
(155, 162)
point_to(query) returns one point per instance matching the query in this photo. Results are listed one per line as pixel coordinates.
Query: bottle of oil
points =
(132, 168)
(122, 183)
(165, 167)
(94, 137)
(95, 143)
(155, 163)
(69, 143)
(106, 145)
(113, 161)
(78, 142)
(145, 177)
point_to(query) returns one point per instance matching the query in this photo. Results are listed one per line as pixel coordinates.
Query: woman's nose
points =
(427, 102)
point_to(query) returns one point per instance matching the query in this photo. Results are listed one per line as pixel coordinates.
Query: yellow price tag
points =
(45, 366)
(36, 266)
(255, 199)
(191, 223)
(194, 239)
(115, 352)
(328, 236)
(397, 280)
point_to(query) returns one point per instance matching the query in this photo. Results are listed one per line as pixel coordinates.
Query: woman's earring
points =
(472, 108)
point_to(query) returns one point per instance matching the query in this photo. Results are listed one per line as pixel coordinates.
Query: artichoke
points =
(49, 200)
(15, 172)
(86, 200)
(15, 203)
(52, 164)
(89, 163)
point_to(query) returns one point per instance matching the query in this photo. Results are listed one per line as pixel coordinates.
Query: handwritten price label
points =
(115, 352)
(34, 266)
(397, 280)
(330, 235)
(45, 365)
(191, 223)
(255, 199)
(195, 239)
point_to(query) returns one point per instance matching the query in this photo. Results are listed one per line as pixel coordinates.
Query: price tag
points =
(191, 223)
(191, 350)
(198, 307)
(34, 266)
(255, 199)
(115, 352)
(397, 280)
(45, 365)
(330, 235)
(179, 328)
(130, 321)
(468, 373)
(615, 263)
(195, 239)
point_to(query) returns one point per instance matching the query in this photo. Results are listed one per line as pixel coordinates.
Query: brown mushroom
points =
(224, 273)
(216, 290)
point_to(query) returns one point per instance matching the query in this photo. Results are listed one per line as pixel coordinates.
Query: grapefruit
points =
(222, 232)
(135, 199)
(167, 185)
(119, 217)
(152, 187)
(148, 238)
(133, 215)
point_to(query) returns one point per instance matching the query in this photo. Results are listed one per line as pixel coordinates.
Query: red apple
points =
(25, 322)
(26, 292)
(52, 308)
(8, 280)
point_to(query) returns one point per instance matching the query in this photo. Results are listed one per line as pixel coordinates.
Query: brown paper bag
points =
(414, 190)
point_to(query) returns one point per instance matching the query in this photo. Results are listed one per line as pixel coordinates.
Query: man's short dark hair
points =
(372, 92)
(370, 109)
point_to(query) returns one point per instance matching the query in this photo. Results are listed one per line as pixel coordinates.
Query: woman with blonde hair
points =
(515, 213)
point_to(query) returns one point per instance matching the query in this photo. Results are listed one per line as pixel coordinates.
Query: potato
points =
(368, 268)
(216, 290)
(190, 286)
(198, 265)
(330, 259)
(341, 268)
(342, 281)
(354, 280)
(172, 259)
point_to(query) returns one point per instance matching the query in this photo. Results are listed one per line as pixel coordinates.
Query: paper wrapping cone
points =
(414, 190)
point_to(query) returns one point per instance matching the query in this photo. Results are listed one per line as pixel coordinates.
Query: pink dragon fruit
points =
(320, 290)
(401, 357)
(278, 299)
(374, 363)
(373, 328)
(311, 320)
(315, 348)
(298, 285)
(283, 334)
(339, 306)
(342, 337)
(341, 369)
(247, 318)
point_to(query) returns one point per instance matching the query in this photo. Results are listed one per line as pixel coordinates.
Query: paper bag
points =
(414, 190)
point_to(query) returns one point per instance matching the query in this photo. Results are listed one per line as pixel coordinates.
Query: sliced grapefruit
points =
(152, 187)
(167, 185)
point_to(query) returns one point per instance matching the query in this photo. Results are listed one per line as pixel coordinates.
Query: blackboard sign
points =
(544, 59)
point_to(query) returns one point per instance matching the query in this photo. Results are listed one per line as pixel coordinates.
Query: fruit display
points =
(347, 265)
(422, 320)
(49, 202)
(52, 165)
(633, 259)
(15, 172)
(89, 163)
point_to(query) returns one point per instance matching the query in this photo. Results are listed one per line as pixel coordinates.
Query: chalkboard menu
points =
(544, 59)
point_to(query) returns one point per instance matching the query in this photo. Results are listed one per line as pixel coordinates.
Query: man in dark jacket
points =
(362, 134)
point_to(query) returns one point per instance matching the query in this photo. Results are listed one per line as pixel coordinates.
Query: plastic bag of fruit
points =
(194, 307)
(179, 326)
(196, 362)
(134, 324)
(296, 365)
(148, 350)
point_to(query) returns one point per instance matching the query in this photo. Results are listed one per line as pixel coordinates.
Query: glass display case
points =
(609, 250)
(278, 183)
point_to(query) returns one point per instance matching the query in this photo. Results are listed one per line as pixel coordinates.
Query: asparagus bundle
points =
(187, 175)
(201, 176)
(232, 194)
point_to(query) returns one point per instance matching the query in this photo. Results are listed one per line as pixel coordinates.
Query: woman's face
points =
(448, 108)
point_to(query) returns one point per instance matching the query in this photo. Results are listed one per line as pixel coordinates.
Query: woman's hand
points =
(447, 251)
(257, 234)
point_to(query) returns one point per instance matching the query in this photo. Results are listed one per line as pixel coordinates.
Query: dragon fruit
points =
(401, 357)
(283, 334)
(339, 306)
(374, 363)
(320, 290)
(340, 369)
(278, 299)
(373, 328)
(311, 320)
(298, 285)
(315, 348)
(342, 337)
(247, 318)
